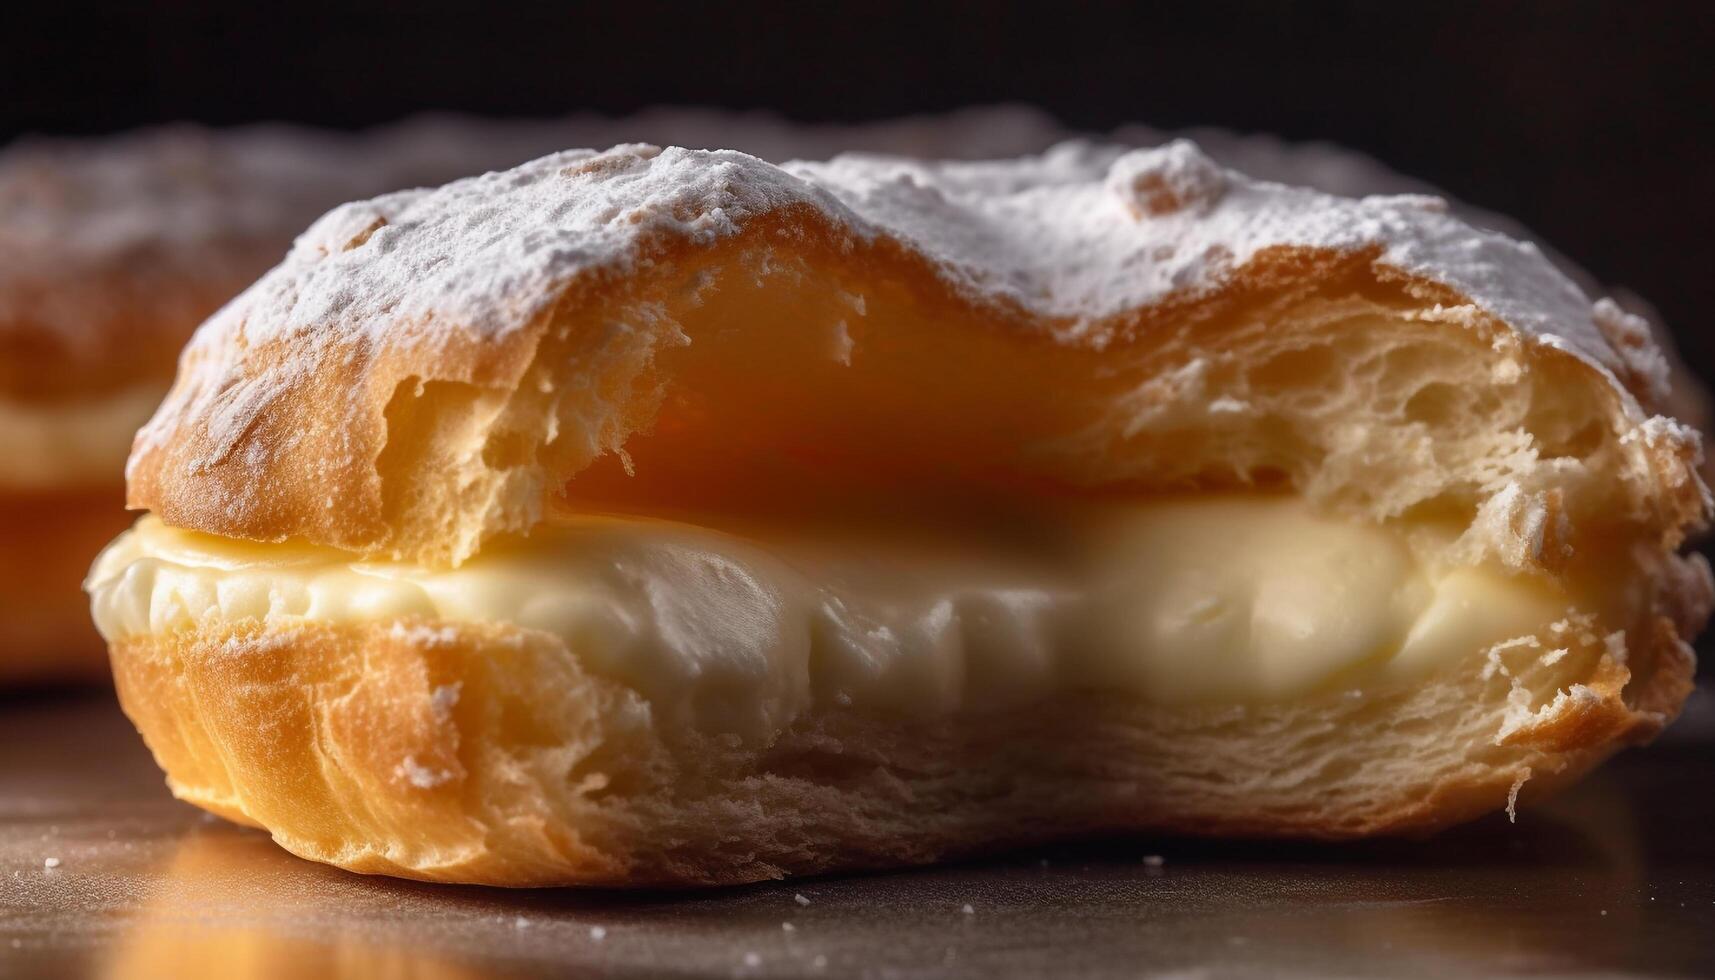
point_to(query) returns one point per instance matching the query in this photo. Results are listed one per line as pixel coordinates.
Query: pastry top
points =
(1077, 236)
(1087, 246)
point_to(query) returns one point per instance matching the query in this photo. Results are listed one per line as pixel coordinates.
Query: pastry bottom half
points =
(485, 753)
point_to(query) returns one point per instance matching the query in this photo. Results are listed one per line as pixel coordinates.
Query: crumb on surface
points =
(1512, 795)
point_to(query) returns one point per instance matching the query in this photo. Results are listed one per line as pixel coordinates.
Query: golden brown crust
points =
(45, 633)
(488, 755)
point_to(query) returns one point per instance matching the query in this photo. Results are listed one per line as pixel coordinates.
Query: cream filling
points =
(72, 444)
(1221, 599)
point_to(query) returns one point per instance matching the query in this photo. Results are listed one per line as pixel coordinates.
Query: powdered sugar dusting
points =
(489, 252)
(1088, 230)
(1177, 177)
(1061, 234)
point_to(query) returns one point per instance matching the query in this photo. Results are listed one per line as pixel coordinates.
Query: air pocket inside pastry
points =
(669, 517)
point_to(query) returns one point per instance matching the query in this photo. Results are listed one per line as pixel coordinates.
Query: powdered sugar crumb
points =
(1631, 339)
(424, 635)
(1615, 646)
(1175, 177)
(443, 698)
(421, 776)
(1512, 795)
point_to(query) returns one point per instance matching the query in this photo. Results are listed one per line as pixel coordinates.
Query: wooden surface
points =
(1616, 878)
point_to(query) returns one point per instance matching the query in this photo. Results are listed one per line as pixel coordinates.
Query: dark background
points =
(1590, 122)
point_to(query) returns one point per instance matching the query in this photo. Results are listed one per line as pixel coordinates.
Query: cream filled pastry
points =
(670, 517)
